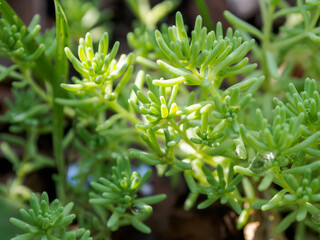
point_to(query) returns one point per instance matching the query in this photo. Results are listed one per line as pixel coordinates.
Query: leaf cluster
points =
(48, 221)
(119, 195)
(195, 102)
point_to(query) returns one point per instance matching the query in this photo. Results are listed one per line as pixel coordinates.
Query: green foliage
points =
(14, 38)
(155, 106)
(307, 102)
(143, 42)
(47, 221)
(25, 113)
(99, 69)
(187, 104)
(221, 189)
(118, 195)
(206, 56)
(279, 49)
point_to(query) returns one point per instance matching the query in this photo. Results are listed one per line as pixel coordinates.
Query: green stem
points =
(263, 9)
(314, 20)
(182, 133)
(203, 9)
(285, 12)
(267, 15)
(44, 69)
(121, 132)
(303, 13)
(284, 184)
(61, 74)
(292, 40)
(289, 10)
(57, 135)
(35, 87)
(126, 114)
(288, 41)
(214, 89)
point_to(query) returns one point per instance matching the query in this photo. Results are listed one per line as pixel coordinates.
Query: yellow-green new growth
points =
(155, 106)
(100, 69)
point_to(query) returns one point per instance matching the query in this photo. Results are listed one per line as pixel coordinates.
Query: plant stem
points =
(126, 114)
(60, 76)
(35, 87)
(314, 19)
(292, 40)
(203, 9)
(182, 133)
(288, 41)
(267, 15)
(286, 11)
(284, 184)
(57, 135)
